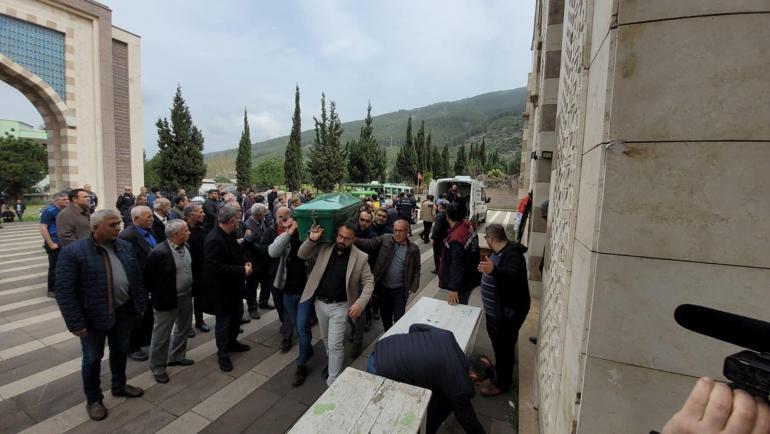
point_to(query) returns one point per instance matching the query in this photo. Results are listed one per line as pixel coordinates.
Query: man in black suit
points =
(224, 273)
(139, 234)
(160, 209)
(193, 215)
(210, 210)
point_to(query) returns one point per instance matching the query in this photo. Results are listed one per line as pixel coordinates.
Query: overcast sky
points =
(232, 54)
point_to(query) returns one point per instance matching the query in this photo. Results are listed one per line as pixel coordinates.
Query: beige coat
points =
(358, 272)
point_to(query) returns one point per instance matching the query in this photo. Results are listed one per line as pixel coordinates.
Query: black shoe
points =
(299, 375)
(96, 411)
(162, 378)
(202, 326)
(183, 362)
(245, 320)
(285, 345)
(238, 347)
(266, 306)
(129, 392)
(225, 364)
(254, 314)
(191, 333)
(138, 356)
(356, 351)
(325, 373)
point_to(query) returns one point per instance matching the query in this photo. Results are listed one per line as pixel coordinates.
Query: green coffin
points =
(329, 211)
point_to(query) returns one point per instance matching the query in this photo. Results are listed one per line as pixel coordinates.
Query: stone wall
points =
(657, 199)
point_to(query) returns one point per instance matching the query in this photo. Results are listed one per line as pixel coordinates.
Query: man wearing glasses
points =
(339, 270)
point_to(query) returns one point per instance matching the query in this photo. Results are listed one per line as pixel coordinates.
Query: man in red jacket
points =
(452, 274)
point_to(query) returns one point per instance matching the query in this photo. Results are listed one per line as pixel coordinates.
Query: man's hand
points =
(247, 233)
(248, 269)
(291, 227)
(486, 266)
(454, 297)
(714, 408)
(315, 233)
(53, 246)
(354, 311)
(81, 333)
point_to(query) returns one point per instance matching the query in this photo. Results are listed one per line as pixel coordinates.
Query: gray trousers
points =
(162, 337)
(332, 320)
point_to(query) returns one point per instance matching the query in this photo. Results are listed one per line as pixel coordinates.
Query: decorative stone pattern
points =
(37, 48)
(122, 115)
(563, 205)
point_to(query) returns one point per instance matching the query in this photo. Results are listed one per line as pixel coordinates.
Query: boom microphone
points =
(736, 329)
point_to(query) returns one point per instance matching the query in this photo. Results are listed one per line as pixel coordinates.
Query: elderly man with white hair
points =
(168, 277)
(160, 210)
(139, 234)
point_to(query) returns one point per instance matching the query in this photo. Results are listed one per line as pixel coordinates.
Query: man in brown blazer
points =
(339, 270)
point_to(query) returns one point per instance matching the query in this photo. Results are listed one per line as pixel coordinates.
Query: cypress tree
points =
(435, 163)
(445, 162)
(483, 154)
(326, 154)
(461, 162)
(419, 148)
(180, 144)
(243, 160)
(292, 164)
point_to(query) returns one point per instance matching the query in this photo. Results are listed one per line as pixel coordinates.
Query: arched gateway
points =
(82, 75)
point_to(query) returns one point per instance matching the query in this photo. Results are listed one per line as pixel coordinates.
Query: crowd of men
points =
(142, 277)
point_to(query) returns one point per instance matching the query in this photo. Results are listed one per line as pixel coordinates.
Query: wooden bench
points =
(359, 402)
(461, 320)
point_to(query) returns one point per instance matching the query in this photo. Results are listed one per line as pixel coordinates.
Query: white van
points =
(471, 189)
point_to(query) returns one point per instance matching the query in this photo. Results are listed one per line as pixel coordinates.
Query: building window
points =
(37, 48)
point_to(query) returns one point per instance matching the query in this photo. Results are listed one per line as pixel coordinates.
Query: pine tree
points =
(180, 145)
(243, 160)
(445, 169)
(367, 160)
(292, 164)
(461, 162)
(326, 154)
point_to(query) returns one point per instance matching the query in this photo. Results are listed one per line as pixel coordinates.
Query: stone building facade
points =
(658, 197)
(83, 75)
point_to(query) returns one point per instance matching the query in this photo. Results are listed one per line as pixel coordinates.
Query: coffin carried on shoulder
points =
(329, 211)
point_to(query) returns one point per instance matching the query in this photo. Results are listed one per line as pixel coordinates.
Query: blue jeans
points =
(300, 316)
(93, 351)
(370, 365)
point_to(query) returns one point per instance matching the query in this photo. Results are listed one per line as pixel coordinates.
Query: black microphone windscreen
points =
(736, 329)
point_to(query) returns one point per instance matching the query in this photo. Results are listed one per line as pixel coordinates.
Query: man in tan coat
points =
(339, 270)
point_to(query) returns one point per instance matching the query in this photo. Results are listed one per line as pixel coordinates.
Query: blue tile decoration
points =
(37, 48)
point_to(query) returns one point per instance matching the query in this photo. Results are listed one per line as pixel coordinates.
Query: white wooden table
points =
(461, 320)
(359, 402)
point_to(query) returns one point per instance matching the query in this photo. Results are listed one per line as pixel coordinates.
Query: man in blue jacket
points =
(430, 358)
(100, 295)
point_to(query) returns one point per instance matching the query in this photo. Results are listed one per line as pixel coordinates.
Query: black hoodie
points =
(511, 286)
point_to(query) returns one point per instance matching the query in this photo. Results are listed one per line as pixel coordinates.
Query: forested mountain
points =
(494, 116)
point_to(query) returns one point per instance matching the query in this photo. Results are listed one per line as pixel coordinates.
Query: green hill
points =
(494, 116)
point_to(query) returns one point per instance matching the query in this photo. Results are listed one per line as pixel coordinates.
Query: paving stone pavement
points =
(41, 389)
